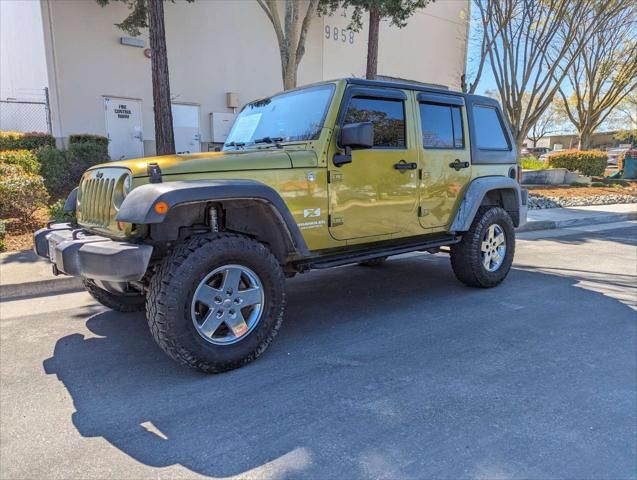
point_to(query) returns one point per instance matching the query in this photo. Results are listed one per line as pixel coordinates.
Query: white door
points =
(186, 128)
(124, 128)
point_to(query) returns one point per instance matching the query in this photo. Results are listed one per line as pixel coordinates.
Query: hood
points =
(207, 162)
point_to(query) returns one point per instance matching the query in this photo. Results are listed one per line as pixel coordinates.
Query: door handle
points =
(403, 165)
(457, 164)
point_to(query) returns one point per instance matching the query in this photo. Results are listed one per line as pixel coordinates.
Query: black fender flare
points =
(71, 202)
(475, 193)
(139, 206)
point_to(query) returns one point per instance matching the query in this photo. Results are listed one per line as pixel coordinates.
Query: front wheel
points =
(216, 303)
(484, 256)
(120, 302)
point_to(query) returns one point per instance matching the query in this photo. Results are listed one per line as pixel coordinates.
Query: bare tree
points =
(603, 73)
(531, 44)
(291, 34)
(549, 122)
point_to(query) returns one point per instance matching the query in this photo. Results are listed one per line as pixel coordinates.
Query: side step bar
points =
(337, 260)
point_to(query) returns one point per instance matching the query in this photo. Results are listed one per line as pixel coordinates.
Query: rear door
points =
(445, 157)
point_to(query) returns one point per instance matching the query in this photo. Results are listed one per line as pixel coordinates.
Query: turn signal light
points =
(121, 226)
(161, 208)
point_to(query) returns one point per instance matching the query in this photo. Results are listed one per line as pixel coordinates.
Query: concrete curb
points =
(40, 288)
(577, 222)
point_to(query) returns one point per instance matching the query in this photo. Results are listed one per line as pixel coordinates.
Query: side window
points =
(441, 126)
(489, 132)
(387, 116)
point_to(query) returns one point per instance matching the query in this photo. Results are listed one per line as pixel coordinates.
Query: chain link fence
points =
(25, 115)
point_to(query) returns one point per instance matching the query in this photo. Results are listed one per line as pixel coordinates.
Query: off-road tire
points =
(466, 256)
(168, 303)
(374, 262)
(118, 302)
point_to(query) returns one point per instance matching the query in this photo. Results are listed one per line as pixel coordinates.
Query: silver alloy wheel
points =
(227, 304)
(493, 248)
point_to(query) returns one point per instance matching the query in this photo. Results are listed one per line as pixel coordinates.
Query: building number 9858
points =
(339, 34)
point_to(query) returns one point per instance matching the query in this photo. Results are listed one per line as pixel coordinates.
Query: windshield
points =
(293, 116)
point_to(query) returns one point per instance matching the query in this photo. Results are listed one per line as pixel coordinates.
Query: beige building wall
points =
(219, 46)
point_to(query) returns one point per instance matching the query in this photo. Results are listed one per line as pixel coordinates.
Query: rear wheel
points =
(216, 303)
(120, 302)
(484, 256)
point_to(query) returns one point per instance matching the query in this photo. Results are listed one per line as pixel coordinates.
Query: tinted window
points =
(387, 116)
(489, 133)
(441, 126)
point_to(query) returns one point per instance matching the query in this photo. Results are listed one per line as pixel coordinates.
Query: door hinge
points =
(422, 212)
(333, 221)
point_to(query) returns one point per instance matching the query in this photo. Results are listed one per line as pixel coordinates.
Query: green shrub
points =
(25, 159)
(54, 170)
(25, 141)
(62, 171)
(21, 194)
(3, 233)
(81, 156)
(88, 138)
(532, 163)
(57, 213)
(586, 162)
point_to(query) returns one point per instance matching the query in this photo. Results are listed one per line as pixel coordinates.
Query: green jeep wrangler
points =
(336, 173)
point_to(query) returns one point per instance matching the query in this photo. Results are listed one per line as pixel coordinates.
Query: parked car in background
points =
(534, 151)
(615, 153)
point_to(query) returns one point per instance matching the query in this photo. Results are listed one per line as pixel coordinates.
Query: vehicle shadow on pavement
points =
(398, 371)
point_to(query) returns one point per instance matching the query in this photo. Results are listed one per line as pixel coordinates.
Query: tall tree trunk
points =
(584, 140)
(372, 44)
(289, 75)
(164, 136)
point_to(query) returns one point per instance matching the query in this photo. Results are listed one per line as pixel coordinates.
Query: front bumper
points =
(79, 253)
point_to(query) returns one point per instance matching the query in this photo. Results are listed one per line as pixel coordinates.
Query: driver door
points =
(377, 193)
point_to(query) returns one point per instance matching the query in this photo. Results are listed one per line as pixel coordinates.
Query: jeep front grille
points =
(96, 201)
(95, 207)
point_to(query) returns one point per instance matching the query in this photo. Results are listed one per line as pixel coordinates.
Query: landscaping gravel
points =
(537, 202)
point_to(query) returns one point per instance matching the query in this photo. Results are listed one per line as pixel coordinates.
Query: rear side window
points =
(441, 126)
(387, 116)
(489, 130)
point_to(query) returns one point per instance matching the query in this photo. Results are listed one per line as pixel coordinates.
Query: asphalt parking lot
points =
(393, 372)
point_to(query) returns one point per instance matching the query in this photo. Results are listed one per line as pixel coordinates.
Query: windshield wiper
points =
(269, 140)
(235, 144)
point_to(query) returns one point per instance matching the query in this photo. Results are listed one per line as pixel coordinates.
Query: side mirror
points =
(354, 136)
(357, 135)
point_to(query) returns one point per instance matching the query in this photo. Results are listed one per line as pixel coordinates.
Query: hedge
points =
(88, 138)
(21, 193)
(25, 141)
(587, 162)
(25, 159)
(62, 171)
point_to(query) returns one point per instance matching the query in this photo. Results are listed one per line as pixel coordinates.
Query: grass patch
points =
(532, 163)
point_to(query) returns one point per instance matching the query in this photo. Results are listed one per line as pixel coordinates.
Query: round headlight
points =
(126, 186)
(122, 188)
